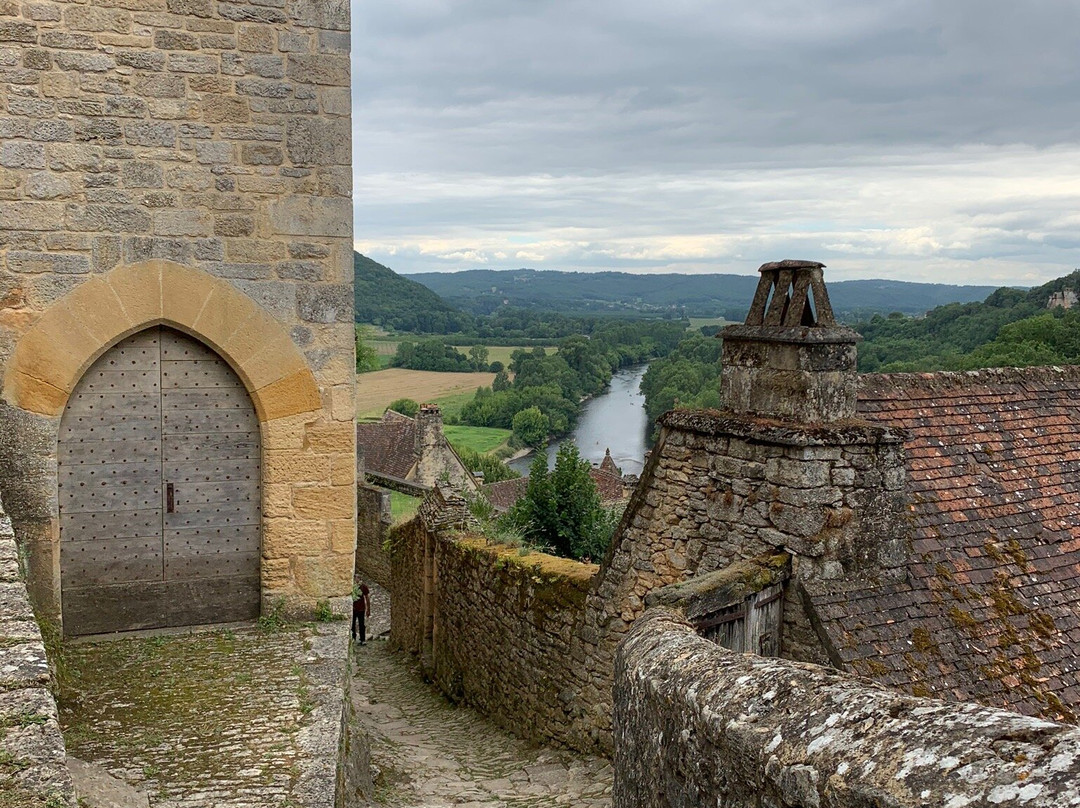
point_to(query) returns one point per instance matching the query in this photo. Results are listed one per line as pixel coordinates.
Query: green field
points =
(386, 347)
(402, 507)
(451, 405)
(478, 438)
(698, 322)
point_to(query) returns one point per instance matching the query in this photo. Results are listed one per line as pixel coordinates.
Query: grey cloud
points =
(602, 122)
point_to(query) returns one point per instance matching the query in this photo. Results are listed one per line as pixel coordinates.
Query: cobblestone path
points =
(427, 752)
(231, 718)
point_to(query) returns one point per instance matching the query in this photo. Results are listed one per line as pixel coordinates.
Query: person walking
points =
(361, 610)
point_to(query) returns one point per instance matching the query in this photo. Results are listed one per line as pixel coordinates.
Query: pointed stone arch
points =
(52, 356)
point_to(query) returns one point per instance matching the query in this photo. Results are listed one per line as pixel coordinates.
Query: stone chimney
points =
(428, 427)
(790, 360)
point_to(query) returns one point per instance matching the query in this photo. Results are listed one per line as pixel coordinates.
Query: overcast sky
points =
(910, 139)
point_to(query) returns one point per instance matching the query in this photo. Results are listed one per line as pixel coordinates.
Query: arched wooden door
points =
(159, 489)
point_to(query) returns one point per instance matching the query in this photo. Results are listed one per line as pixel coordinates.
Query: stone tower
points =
(176, 306)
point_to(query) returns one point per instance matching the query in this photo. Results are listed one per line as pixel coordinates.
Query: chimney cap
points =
(790, 263)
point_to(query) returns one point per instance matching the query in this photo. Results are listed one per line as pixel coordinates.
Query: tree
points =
(561, 509)
(405, 406)
(478, 357)
(501, 381)
(366, 358)
(531, 427)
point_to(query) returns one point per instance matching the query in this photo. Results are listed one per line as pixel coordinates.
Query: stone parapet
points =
(29, 723)
(696, 724)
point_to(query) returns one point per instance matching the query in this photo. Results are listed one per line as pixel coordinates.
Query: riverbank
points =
(614, 420)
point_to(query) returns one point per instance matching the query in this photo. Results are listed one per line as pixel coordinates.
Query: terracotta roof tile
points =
(389, 446)
(988, 607)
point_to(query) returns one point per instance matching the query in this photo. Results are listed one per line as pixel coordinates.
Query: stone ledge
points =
(739, 729)
(716, 423)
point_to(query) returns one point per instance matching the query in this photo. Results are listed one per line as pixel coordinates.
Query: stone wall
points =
(160, 159)
(503, 637)
(498, 629)
(696, 724)
(29, 724)
(372, 532)
(408, 582)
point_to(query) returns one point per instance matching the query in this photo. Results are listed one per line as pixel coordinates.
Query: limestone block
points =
(287, 432)
(343, 402)
(22, 155)
(109, 218)
(182, 223)
(292, 394)
(311, 216)
(321, 68)
(183, 293)
(34, 395)
(324, 502)
(326, 303)
(100, 312)
(252, 250)
(225, 109)
(343, 536)
(138, 287)
(276, 574)
(296, 466)
(330, 437)
(92, 18)
(332, 15)
(160, 86)
(324, 576)
(288, 537)
(343, 469)
(312, 141)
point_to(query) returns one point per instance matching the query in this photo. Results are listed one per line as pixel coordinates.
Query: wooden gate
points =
(159, 488)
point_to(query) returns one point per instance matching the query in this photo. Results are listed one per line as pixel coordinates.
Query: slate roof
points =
(389, 445)
(988, 608)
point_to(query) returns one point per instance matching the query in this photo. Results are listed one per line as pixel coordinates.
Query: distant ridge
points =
(393, 301)
(481, 291)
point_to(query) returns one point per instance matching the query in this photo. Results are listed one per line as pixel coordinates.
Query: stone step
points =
(96, 788)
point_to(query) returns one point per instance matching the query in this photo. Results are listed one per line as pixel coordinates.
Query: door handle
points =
(170, 498)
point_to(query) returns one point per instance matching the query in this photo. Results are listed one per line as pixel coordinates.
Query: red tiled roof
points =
(989, 607)
(389, 446)
(503, 494)
(609, 486)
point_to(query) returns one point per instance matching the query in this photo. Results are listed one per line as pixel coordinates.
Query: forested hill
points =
(482, 291)
(1011, 328)
(392, 301)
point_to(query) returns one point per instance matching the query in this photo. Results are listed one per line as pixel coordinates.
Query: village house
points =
(412, 451)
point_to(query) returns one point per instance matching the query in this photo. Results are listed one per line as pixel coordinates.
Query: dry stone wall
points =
(372, 531)
(153, 153)
(696, 724)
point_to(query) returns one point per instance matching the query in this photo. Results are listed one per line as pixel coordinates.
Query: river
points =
(614, 420)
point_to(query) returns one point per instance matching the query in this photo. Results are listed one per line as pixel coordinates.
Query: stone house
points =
(414, 451)
(927, 521)
(176, 347)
